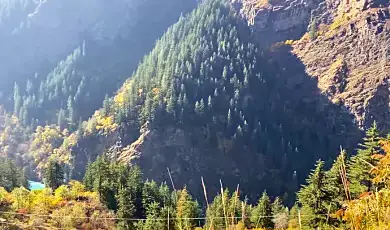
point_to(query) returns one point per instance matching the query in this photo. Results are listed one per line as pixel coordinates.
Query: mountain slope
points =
(72, 60)
(350, 57)
(207, 101)
(344, 44)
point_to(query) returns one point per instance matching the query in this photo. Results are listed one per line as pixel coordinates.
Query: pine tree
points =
(262, 213)
(88, 179)
(293, 219)
(225, 73)
(154, 220)
(277, 206)
(17, 100)
(209, 104)
(29, 87)
(130, 198)
(100, 178)
(13, 174)
(54, 175)
(71, 115)
(214, 211)
(312, 197)
(186, 210)
(106, 106)
(313, 29)
(361, 164)
(61, 119)
(336, 189)
(127, 207)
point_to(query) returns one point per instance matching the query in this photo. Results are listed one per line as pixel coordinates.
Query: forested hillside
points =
(350, 195)
(231, 102)
(209, 101)
(72, 60)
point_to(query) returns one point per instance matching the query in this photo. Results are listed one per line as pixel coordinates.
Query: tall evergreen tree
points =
(130, 198)
(17, 100)
(106, 105)
(186, 210)
(360, 165)
(54, 175)
(336, 187)
(71, 115)
(312, 197)
(61, 119)
(262, 213)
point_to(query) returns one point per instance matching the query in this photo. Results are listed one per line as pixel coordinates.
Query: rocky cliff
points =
(274, 21)
(192, 154)
(350, 59)
(348, 55)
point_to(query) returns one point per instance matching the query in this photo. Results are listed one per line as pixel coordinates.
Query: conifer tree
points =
(312, 197)
(279, 214)
(216, 210)
(17, 100)
(293, 219)
(313, 29)
(336, 187)
(130, 198)
(262, 213)
(154, 219)
(61, 119)
(361, 164)
(106, 106)
(54, 175)
(88, 179)
(71, 115)
(277, 206)
(186, 210)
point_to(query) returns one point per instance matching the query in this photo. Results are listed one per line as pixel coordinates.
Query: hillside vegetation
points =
(216, 125)
(206, 94)
(72, 60)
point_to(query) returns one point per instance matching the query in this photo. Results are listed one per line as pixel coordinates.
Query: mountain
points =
(210, 100)
(355, 75)
(251, 92)
(74, 53)
(245, 95)
(348, 54)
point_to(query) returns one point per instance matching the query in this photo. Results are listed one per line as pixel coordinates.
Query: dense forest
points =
(95, 54)
(176, 115)
(352, 194)
(205, 78)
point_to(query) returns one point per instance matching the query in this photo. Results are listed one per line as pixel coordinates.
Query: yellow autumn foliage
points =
(105, 123)
(119, 99)
(289, 42)
(45, 145)
(56, 209)
(382, 170)
(372, 210)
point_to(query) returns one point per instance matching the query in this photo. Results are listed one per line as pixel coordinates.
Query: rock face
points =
(276, 20)
(349, 56)
(190, 155)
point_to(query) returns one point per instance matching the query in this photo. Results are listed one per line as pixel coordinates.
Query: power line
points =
(140, 219)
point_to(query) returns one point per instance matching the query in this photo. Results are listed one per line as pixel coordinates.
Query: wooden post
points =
(327, 217)
(223, 205)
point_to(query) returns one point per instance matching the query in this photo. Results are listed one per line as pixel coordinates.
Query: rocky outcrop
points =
(275, 21)
(191, 154)
(350, 58)
(350, 55)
